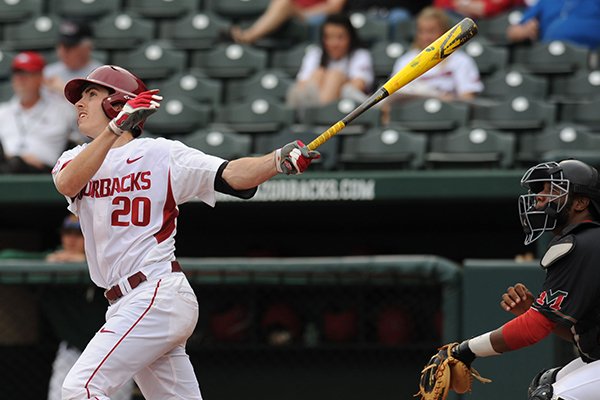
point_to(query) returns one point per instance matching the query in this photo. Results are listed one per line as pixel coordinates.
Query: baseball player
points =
(126, 191)
(563, 198)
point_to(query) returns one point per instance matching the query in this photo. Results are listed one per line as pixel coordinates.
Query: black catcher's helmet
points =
(565, 177)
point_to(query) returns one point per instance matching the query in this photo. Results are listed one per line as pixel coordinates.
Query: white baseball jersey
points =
(128, 210)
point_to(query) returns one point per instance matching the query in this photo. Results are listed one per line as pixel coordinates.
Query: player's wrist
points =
(464, 353)
(113, 128)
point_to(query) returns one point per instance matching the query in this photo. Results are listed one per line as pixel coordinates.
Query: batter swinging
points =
(125, 191)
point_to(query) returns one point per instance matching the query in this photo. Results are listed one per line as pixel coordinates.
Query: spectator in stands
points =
(71, 239)
(338, 68)
(74, 50)
(455, 78)
(69, 350)
(574, 21)
(35, 123)
(312, 12)
(477, 8)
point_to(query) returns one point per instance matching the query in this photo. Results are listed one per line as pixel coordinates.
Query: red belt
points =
(134, 280)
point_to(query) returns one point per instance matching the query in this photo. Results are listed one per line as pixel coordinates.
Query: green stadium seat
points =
(6, 57)
(558, 143)
(37, 33)
(83, 8)
(488, 58)
(519, 113)
(327, 115)
(370, 29)
(269, 82)
(385, 55)
(121, 31)
(551, 58)
(510, 83)
(429, 114)
(101, 56)
(200, 30)
(289, 34)
(19, 11)
(265, 143)
(179, 115)
(255, 115)
(390, 147)
(404, 31)
(153, 60)
(471, 147)
(238, 9)
(290, 60)
(584, 113)
(230, 61)
(162, 8)
(6, 90)
(494, 28)
(192, 83)
(582, 86)
(220, 141)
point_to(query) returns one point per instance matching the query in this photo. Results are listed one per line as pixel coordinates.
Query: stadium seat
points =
(585, 113)
(385, 55)
(558, 143)
(50, 55)
(120, 31)
(519, 113)
(370, 29)
(389, 147)
(220, 141)
(551, 58)
(192, 83)
(6, 90)
(429, 114)
(471, 147)
(290, 60)
(494, 28)
(269, 82)
(38, 33)
(265, 143)
(582, 86)
(327, 115)
(162, 8)
(200, 30)
(510, 83)
(179, 115)
(404, 31)
(488, 58)
(289, 34)
(238, 9)
(230, 61)
(255, 115)
(153, 60)
(19, 11)
(6, 57)
(83, 8)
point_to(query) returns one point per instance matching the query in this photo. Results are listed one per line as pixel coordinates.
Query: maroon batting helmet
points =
(122, 85)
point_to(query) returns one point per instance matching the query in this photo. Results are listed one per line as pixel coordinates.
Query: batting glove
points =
(294, 158)
(135, 111)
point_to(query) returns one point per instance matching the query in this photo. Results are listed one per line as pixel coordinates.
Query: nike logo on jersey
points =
(105, 331)
(131, 161)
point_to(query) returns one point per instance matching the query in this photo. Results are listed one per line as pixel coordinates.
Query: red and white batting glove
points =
(294, 158)
(135, 111)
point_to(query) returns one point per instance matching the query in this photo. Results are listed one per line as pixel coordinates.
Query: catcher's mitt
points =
(443, 373)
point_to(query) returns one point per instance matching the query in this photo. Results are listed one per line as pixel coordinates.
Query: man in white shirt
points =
(35, 123)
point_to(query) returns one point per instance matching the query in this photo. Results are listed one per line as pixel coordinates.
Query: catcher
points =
(563, 198)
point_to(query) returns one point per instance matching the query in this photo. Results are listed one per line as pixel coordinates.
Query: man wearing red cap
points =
(35, 124)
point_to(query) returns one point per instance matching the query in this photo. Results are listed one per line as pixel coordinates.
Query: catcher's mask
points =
(551, 183)
(122, 85)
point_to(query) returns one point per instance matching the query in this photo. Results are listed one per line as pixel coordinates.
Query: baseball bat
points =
(428, 58)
